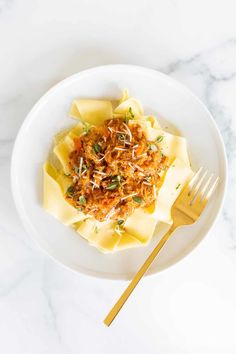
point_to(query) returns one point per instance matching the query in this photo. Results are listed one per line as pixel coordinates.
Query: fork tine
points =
(212, 189)
(194, 180)
(197, 187)
(206, 185)
(196, 191)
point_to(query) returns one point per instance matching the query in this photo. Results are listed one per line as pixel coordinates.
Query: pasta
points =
(133, 217)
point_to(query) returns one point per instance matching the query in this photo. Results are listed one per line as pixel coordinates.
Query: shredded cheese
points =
(128, 131)
(121, 149)
(100, 173)
(94, 184)
(139, 168)
(80, 166)
(129, 196)
(109, 180)
(147, 184)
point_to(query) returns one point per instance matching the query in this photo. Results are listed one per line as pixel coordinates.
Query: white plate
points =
(159, 94)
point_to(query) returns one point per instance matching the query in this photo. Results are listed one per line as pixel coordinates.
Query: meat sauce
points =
(115, 170)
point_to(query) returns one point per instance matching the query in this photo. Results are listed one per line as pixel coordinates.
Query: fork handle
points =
(132, 285)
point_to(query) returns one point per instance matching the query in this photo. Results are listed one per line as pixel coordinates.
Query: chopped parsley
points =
(84, 167)
(138, 200)
(116, 178)
(131, 112)
(159, 138)
(177, 187)
(97, 148)
(86, 127)
(129, 115)
(77, 169)
(112, 186)
(82, 199)
(122, 136)
(70, 190)
(118, 228)
(126, 119)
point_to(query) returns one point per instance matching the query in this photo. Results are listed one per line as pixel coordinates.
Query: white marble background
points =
(45, 309)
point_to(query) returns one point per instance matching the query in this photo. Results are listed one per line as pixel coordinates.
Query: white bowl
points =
(159, 94)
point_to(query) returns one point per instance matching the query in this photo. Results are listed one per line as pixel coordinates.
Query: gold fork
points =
(186, 210)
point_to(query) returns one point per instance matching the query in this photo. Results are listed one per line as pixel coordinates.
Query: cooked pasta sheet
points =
(138, 228)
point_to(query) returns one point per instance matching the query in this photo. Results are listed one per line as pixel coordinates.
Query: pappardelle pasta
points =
(115, 174)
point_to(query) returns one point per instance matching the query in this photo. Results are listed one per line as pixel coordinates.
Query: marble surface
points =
(190, 308)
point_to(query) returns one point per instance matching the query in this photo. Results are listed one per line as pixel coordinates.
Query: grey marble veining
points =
(215, 70)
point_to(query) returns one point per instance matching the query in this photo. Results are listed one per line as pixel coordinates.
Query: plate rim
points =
(43, 99)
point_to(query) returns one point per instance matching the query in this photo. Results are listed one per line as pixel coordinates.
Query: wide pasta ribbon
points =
(139, 228)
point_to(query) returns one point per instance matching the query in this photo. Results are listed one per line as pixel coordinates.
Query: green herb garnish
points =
(126, 119)
(122, 136)
(86, 128)
(116, 178)
(82, 199)
(138, 200)
(70, 190)
(128, 115)
(153, 147)
(118, 227)
(112, 186)
(77, 169)
(131, 112)
(177, 187)
(159, 138)
(97, 148)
